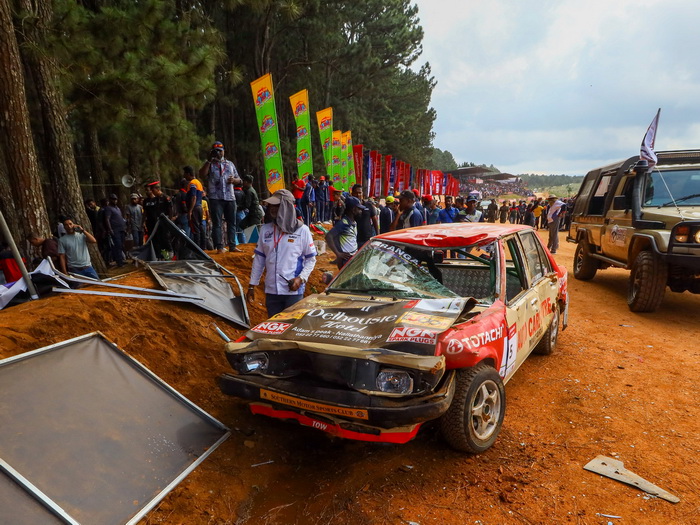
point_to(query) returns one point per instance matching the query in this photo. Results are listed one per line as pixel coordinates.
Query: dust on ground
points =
(619, 384)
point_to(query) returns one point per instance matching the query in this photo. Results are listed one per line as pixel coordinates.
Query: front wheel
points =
(647, 282)
(585, 266)
(474, 418)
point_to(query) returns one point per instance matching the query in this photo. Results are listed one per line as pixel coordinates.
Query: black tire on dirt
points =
(647, 282)
(585, 266)
(474, 418)
(549, 340)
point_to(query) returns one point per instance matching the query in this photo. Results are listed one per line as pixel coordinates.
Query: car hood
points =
(360, 322)
(669, 213)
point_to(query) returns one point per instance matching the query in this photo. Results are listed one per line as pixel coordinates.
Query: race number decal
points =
(510, 351)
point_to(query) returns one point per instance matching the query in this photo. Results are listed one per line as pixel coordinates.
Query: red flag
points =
(357, 157)
(647, 150)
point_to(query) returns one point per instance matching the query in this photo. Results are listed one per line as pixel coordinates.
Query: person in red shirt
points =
(298, 186)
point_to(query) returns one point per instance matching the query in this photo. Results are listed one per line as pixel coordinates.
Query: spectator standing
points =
(513, 213)
(417, 204)
(553, 220)
(503, 212)
(195, 214)
(322, 201)
(222, 177)
(298, 187)
(432, 210)
(471, 214)
(408, 216)
(387, 214)
(73, 252)
(308, 201)
(342, 238)
(153, 207)
(115, 226)
(134, 219)
(181, 217)
(206, 222)
(492, 211)
(367, 222)
(285, 252)
(448, 214)
(251, 203)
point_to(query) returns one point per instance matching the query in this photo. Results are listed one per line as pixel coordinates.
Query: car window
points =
(681, 187)
(537, 265)
(516, 281)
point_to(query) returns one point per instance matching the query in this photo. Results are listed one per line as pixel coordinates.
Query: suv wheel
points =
(549, 340)
(585, 266)
(647, 282)
(475, 416)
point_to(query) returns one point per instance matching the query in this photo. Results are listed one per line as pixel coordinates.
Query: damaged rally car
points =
(420, 324)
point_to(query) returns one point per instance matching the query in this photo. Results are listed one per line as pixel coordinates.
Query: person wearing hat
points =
(342, 238)
(553, 220)
(222, 177)
(387, 214)
(285, 253)
(470, 213)
(432, 212)
(134, 219)
(155, 205)
(407, 215)
(115, 226)
(322, 196)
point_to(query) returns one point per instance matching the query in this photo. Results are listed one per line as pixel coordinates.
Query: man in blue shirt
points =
(408, 216)
(342, 238)
(308, 201)
(448, 214)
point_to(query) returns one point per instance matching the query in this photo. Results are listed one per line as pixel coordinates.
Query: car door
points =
(543, 287)
(519, 307)
(617, 229)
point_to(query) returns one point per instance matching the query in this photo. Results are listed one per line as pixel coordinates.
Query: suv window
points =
(516, 280)
(662, 188)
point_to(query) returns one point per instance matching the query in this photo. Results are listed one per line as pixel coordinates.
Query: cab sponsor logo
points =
(425, 320)
(474, 342)
(406, 334)
(349, 323)
(272, 327)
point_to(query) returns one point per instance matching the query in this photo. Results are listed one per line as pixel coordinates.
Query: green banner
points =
(335, 155)
(325, 131)
(266, 112)
(352, 179)
(302, 118)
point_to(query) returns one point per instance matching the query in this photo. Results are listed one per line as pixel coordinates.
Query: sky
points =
(561, 87)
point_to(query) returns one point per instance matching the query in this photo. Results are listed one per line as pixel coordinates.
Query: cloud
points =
(561, 85)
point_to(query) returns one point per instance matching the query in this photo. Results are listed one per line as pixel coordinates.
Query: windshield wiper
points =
(681, 199)
(367, 291)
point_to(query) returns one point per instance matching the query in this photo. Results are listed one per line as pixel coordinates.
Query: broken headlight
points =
(394, 382)
(255, 362)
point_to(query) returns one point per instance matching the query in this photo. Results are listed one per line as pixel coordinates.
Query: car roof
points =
(449, 235)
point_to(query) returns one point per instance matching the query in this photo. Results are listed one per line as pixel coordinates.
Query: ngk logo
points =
(413, 335)
(271, 327)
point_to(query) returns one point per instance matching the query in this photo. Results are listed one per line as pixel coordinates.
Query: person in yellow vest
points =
(195, 192)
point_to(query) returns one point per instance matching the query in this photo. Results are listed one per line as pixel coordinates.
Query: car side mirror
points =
(620, 202)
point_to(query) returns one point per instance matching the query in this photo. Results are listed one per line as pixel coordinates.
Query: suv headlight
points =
(394, 382)
(255, 362)
(681, 234)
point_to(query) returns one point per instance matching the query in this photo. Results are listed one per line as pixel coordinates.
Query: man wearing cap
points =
(115, 225)
(155, 205)
(322, 199)
(285, 252)
(134, 219)
(470, 213)
(553, 219)
(222, 177)
(342, 238)
(387, 214)
(407, 215)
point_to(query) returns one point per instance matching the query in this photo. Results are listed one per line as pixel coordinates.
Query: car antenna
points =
(678, 209)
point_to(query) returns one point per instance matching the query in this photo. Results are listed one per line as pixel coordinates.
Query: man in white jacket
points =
(553, 220)
(285, 252)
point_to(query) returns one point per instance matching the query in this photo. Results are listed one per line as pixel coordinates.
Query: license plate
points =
(311, 406)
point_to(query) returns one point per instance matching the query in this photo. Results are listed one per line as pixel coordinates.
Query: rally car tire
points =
(549, 340)
(585, 266)
(647, 282)
(475, 416)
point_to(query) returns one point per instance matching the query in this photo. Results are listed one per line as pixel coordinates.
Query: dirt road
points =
(620, 384)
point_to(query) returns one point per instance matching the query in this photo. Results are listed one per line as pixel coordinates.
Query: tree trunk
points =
(16, 137)
(98, 189)
(57, 134)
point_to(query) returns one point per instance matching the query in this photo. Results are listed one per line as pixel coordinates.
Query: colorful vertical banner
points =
(335, 159)
(391, 176)
(378, 178)
(344, 166)
(325, 132)
(351, 161)
(266, 112)
(302, 118)
(357, 157)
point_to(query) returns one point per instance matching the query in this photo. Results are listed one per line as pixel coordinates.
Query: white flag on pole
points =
(647, 151)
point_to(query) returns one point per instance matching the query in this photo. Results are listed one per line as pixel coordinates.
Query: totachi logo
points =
(271, 327)
(413, 335)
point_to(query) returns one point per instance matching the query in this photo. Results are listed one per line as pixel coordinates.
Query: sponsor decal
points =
(302, 404)
(267, 124)
(534, 325)
(425, 320)
(408, 334)
(474, 342)
(342, 321)
(273, 177)
(398, 252)
(270, 150)
(446, 306)
(455, 346)
(299, 109)
(271, 327)
(263, 96)
(618, 235)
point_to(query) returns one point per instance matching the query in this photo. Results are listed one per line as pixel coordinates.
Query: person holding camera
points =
(73, 253)
(222, 178)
